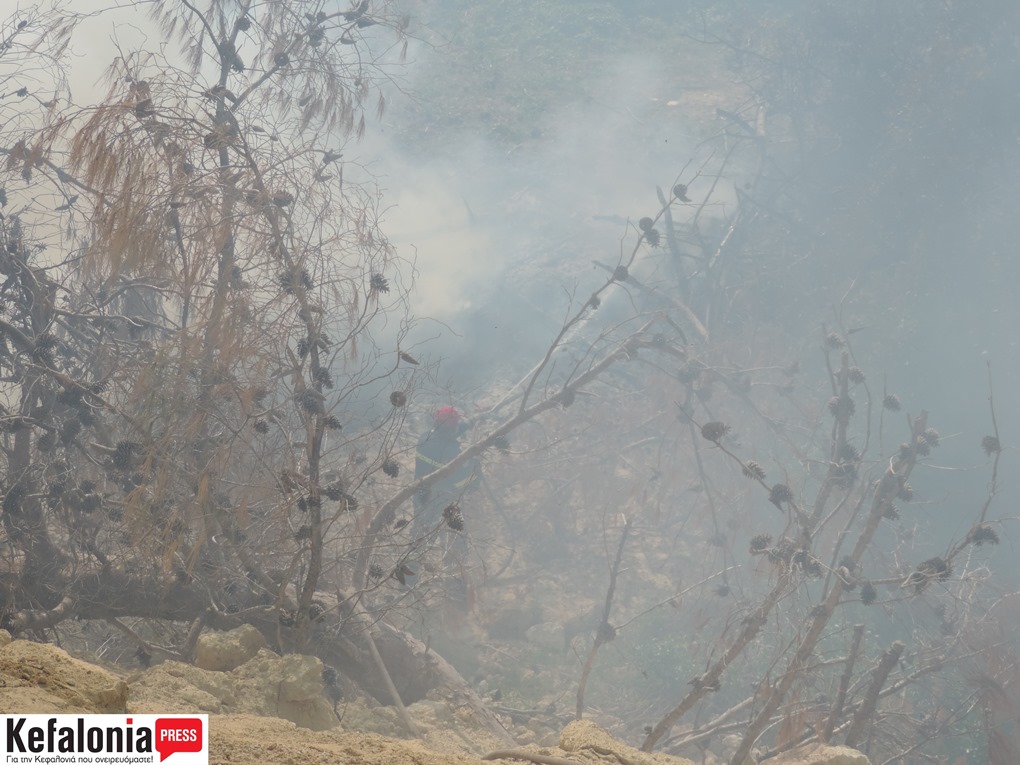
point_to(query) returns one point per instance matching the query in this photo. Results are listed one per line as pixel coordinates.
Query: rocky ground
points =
(276, 710)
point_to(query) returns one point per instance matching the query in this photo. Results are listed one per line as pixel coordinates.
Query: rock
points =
(373, 718)
(284, 686)
(267, 685)
(584, 734)
(173, 687)
(68, 685)
(5, 638)
(224, 651)
(525, 736)
(821, 755)
(243, 739)
(447, 724)
(583, 737)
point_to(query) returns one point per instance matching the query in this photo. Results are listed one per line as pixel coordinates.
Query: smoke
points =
(431, 222)
(502, 237)
(505, 238)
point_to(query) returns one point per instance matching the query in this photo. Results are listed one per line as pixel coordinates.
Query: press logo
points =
(104, 739)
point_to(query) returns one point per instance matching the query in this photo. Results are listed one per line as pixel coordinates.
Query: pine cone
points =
(760, 543)
(780, 493)
(379, 283)
(984, 535)
(753, 470)
(714, 431)
(453, 517)
(868, 593)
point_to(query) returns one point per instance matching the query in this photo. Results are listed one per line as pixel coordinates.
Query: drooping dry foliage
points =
(192, 369)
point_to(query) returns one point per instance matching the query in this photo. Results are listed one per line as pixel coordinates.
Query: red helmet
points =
(446, 416)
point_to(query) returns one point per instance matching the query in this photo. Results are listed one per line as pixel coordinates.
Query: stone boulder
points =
(224, 651)
(285, 686)
(821, 755)
(38, 677)
(176, 688)
(266, 685)
(587, 742)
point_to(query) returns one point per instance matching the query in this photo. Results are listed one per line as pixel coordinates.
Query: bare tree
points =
(194, 367)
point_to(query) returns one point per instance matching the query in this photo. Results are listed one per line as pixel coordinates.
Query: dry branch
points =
(605, 631)
(844, 682)
(888, 487)
(866, 711)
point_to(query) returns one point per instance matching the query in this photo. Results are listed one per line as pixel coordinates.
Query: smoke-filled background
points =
(533, 132)
(844, 170)
(522, 141)
(519, 140)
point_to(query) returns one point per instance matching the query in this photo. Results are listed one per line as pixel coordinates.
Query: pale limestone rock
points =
(284, 686)
(373, 718)
(446, 724)
(224, 651)
(72, 683)
(267, 685)
(821, 755)
(587, 740)
(176, 688)
(5, 638)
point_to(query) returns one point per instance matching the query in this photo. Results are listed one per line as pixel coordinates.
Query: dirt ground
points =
(40, 678)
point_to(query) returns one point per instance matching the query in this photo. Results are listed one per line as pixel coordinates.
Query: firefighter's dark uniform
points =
(436, 448)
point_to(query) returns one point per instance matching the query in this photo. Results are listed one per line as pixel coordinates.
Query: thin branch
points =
(866, 711)
(844, 682)
(606, 631)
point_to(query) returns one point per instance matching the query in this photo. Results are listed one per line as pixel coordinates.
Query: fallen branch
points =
(387, 680)
(31, 619)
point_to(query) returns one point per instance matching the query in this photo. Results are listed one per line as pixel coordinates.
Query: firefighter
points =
(438, 526)
(436, 448)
